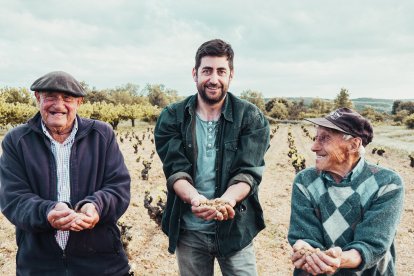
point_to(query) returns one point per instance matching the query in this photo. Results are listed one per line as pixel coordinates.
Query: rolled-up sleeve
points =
(248, 164)
(170, 148)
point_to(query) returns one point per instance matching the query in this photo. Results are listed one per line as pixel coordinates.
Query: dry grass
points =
(148, 247)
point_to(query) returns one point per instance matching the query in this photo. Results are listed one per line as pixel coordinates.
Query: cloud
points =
(282, 48)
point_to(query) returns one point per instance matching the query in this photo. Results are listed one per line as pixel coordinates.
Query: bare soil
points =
(148, 245)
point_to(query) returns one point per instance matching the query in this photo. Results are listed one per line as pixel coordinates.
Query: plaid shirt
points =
(61, 152)
(361, 212)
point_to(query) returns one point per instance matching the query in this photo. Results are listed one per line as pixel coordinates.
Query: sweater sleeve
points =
(376, 232)
(304, 222)
(18, 202)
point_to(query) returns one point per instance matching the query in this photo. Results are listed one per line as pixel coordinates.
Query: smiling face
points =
(213, 78)
(58, 110)
(334, 154)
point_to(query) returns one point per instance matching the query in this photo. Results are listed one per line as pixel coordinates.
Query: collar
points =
(227, 109)
(70, 137)
(349, 177)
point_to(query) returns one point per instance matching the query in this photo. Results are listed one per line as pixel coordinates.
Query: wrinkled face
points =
(213, 79)
(332, 151)
(58, 110)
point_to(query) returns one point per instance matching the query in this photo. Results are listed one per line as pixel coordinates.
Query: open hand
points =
(88, 217)
(315, 261)
(202, 211)
(61, 216)
(218, 208)
(226, 209)
(298, 253)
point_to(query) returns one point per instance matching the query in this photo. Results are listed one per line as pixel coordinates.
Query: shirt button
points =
(209, 145)
(210, 136)
(210, 129)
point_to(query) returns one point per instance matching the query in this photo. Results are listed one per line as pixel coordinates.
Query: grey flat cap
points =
(58, 81)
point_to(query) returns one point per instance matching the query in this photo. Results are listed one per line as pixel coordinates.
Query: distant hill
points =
(382, 105)
(306, 100)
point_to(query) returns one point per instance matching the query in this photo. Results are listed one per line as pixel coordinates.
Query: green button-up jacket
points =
(242, 140)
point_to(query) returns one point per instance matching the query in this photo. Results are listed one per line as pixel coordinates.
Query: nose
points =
(315, 146)
(214, 78)
(59, 101)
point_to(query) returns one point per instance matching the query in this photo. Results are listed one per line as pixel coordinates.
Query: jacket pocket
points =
(102, 239)
(230, 149)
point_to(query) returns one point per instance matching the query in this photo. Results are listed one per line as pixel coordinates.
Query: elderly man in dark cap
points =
(64, 185)
(345, 211)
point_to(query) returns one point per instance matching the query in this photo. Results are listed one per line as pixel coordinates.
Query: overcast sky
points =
(282, 48)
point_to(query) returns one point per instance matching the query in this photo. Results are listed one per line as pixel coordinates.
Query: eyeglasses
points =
(325, 138)
(55, 98)
(322, 139)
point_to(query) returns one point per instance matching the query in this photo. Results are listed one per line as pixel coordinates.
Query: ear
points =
(231, 74)
(194, 73)
(37, 95)
(354, 144)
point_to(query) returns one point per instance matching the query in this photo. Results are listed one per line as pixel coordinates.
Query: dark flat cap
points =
(347, 121)
(58, 81)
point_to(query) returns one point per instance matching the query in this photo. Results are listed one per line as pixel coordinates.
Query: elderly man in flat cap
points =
(64, 185)
(345, 210)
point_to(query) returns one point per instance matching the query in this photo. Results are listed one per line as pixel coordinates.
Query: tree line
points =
(284, 109)
(129, 102)
(113, 105)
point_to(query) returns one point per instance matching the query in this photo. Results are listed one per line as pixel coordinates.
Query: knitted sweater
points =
(362, 212)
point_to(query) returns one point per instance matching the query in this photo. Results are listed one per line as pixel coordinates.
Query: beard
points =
(211, 100)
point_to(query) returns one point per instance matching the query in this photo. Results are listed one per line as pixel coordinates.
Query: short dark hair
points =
(215, 48)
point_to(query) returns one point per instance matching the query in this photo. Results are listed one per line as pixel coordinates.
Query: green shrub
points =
(400, 116)
(409, 121)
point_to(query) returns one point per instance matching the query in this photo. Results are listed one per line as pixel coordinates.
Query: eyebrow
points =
(211, 68)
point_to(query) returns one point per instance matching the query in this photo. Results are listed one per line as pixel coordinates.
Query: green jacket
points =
(242, 140)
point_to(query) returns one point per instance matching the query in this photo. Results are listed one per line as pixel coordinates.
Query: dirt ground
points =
(148, 246)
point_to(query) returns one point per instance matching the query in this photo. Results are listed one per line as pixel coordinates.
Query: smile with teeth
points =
(57, 113)
(213, 87)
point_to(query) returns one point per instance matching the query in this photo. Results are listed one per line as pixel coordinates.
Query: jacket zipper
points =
(65, 262)
(55, 191)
